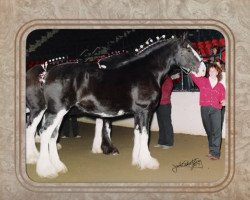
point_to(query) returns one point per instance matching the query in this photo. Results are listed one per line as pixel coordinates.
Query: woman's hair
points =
(217, 67)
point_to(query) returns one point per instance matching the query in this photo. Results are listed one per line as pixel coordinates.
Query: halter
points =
(186, 70)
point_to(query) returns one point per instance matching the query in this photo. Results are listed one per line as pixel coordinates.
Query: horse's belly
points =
(91, 108)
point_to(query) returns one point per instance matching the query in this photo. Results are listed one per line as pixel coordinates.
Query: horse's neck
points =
(161, 59)
(159, 67)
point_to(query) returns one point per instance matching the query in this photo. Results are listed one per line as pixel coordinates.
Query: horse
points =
(131, 88)
(34, 85)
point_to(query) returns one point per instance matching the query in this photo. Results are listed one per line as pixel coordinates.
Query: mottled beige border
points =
(20, 46)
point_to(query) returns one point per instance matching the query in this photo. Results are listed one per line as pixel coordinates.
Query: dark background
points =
(90, 44)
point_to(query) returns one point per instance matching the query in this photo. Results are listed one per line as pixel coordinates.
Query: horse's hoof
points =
(151, 163)
(114, 151)
(32, 158)
(97, 150)
(110, 150)
(46, 171)
(58, 146)
(60, 167)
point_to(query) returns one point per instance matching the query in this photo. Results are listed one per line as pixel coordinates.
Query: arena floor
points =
(186, 162)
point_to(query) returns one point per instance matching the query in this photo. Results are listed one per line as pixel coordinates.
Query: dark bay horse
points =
(131, 88)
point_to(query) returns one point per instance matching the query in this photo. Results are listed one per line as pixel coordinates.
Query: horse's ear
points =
(184, 39)
(184, 36)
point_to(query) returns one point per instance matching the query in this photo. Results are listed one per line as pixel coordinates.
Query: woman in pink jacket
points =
(212, 98)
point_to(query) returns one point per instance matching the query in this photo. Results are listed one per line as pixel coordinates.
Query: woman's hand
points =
(223, 102)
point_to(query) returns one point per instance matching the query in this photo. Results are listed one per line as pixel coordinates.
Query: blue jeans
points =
(211, 119)
(166, 135)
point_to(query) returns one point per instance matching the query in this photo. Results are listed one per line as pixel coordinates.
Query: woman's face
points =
(214, 51)
(213, 72)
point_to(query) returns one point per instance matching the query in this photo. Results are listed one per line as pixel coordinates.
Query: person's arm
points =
(222, 100)
(196, 80)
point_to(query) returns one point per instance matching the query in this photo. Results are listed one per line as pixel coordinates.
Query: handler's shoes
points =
(163, 146)
(166, 147)
(213, 158)
(158, 145)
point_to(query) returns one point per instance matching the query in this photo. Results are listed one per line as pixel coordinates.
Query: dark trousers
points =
(222, 116)
(69, 126)
(166, 135)
(211, 119)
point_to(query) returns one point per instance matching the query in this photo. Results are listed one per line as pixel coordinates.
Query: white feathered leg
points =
(44, 167)
(96, 147)
(137, 146)
(54, 157)
(145, 159)
(32, 153)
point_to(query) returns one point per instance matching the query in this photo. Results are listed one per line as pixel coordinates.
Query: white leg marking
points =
(44, 167)
(31, 150)
(137, 146)
(141, 155)
(108, 130)
(54, 157)
(37, 138)
(58, 146)
(146, 161)
(96, 147)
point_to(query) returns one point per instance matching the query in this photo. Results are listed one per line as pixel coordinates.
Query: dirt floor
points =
(185, 162)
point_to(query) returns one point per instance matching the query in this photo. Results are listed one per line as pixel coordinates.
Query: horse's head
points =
(187, 58)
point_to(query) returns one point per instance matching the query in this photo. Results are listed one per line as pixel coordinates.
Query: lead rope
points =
(185, 71)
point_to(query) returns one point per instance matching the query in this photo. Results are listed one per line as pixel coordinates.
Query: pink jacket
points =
(209, 96)
(166, 90)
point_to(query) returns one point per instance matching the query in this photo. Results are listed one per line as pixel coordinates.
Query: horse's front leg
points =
(107, 146)
(96, 147)
(141, 155)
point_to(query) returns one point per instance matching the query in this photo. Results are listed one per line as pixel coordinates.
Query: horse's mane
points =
(151, 48)
(121, 60)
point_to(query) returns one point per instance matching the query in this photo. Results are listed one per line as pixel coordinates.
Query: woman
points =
(212, 99)
(163, 113)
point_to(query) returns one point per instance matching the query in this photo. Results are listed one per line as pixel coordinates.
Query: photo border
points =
(20, 66)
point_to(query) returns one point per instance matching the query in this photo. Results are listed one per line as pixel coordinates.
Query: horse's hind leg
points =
(107, 146)
(31, 150)
(102, 140)
(45, 167)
